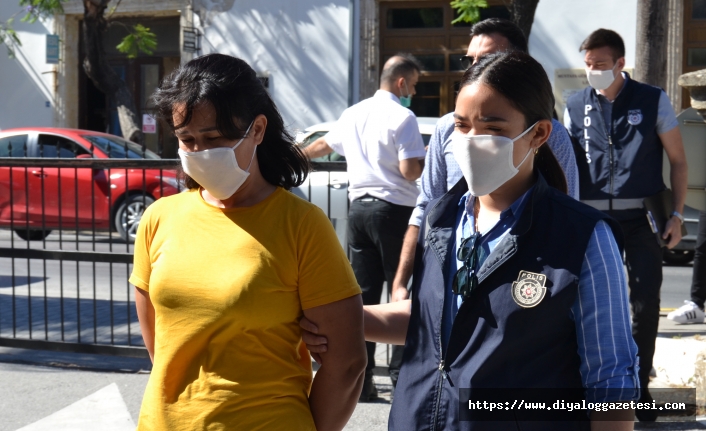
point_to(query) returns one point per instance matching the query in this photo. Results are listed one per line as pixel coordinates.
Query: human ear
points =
(541, 133)
(259, 127)
(620, 63)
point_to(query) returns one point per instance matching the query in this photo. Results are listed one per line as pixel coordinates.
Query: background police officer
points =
(623, 126)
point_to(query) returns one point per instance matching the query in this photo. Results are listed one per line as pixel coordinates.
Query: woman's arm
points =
(387, 323)
(145, 314)
(339, 380)
(384, 323)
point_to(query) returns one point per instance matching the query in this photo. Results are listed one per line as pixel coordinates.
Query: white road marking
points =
(104, 410)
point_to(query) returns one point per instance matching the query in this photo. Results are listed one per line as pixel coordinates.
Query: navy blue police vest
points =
(623, 159)
(495, 343)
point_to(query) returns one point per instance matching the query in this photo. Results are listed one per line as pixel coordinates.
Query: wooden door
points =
(694, 57)
(424, 29)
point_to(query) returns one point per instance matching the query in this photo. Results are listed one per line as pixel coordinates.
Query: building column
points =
(675, 52)
(187, 20)
(66, 103)
(369, 48)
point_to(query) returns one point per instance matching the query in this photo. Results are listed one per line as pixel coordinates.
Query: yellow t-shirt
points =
(228, 287)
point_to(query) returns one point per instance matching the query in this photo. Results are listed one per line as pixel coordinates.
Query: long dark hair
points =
(238, 96)
(524, 83)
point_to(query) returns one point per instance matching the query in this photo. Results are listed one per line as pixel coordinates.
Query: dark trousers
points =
(375, 234)
(643, 257)
(698, 280)
(395, 363)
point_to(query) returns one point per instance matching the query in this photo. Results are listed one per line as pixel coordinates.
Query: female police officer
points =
(518, 285)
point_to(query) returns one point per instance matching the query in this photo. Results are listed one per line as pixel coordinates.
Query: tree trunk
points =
(102, 74)
(523, 14)
(651, 49)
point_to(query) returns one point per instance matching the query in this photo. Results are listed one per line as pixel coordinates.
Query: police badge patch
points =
(529, 289)
(635, 116)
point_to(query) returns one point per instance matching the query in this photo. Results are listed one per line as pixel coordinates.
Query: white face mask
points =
(217, 170)
(486, 160)
(600, 79)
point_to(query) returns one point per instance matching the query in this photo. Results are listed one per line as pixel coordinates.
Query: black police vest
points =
(623, 159)
(495, 343)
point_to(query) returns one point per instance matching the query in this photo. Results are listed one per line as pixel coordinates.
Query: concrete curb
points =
(77, 361)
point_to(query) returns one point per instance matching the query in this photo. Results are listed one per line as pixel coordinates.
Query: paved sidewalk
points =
(675, 355)
(64, 391)
(54, 391)
(674, 360)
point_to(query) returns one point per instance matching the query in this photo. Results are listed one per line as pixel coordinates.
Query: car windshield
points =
(118, 148)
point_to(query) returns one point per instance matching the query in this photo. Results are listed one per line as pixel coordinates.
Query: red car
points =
(35, 200)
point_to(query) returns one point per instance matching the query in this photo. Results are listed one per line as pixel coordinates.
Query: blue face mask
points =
(406, 101)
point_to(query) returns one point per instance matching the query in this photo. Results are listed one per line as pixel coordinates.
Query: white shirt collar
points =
(386, 94)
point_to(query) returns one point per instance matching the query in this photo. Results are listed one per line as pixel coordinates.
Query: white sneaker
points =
(687, 313)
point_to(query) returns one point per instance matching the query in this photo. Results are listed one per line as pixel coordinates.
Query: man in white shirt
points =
(385, 153)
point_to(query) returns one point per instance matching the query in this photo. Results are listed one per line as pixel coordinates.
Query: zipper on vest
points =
(610, 153)
(442, 377)
(444, 374)
(610, 160)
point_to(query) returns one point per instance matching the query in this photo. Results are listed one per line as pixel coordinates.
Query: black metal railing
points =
(66, 231)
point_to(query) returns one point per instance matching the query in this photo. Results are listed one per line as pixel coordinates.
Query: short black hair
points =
(603, 37)
(238, 96)
(507, 29)
(403, 68)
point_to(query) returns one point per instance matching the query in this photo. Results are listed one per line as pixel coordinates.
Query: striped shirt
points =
(601, 311)
(441, 172)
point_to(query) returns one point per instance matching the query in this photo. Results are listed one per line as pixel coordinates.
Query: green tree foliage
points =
(8, 37)
(33, 10)
(139, 38)
(468, 10)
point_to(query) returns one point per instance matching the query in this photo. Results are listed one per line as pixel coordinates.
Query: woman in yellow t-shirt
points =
(224, 272)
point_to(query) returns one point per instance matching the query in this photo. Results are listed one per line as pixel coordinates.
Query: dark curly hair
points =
(238, 96)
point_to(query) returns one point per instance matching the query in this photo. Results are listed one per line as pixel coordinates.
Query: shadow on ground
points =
(69, 319)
